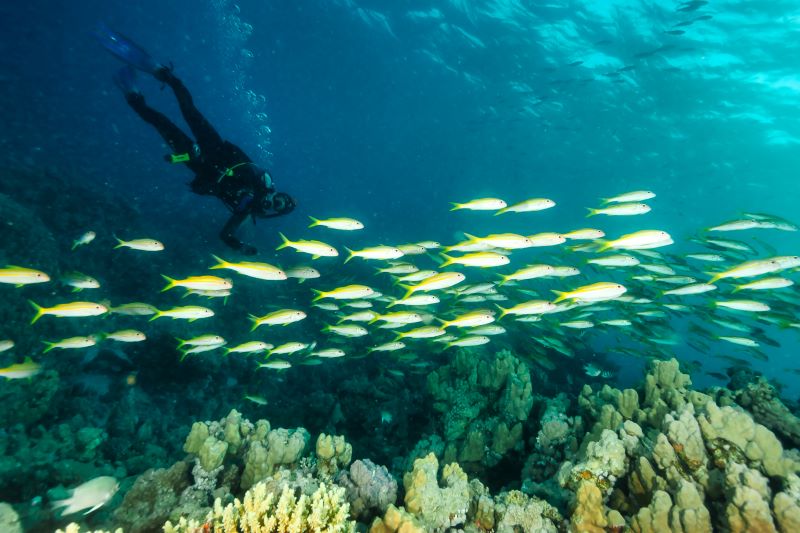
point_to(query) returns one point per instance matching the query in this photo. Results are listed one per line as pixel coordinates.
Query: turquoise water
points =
(385, 112)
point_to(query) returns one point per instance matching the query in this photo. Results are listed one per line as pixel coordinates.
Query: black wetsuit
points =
(221, 168)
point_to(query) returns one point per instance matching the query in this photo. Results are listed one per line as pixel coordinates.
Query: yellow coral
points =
(75, 528)
(325, 512)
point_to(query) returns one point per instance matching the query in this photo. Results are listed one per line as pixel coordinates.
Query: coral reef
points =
(261, 511)
(370, 489)
(484, 402)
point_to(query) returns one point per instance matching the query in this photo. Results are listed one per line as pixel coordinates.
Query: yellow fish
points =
(348, 292)
(25, 369)
(596, 292)
(480, 204)
(283, 317)
(251, 269)
(471, 319)
(477, 259)
(442, 280)
(526, 206)
(375, 252)
(202, 283)
(189, 312)
(316, 249)
(69, 310)
(344, 224)
(71, 343)
(20, 276)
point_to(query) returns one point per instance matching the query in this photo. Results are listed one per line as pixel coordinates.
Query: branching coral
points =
(261, 511)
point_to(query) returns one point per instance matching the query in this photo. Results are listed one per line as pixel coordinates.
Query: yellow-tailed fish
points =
(741, 341)
(429, 245)
(633, 196)
(71, 343)
(208, 293)
(202, 340)
(358, 304)
(442, 280)
(620, 210)
(736, 225)
(399, 268)
(619, 260)
(584, 234)
(84, 239)
(329, 353)
(596, 292)
(206, 283)
(743, 305)
(263, 271)
(488, 329)
(423, 332)
(466, 342)
(415, 300)
(316, 249)
(714, 258)
(639, 240)
(69, 310)
(343, 224)
(528, 272)
(249, 347)
(302, 273)
(346, 330)
(617, 322)
(398, 317)
(282, 317)
(416, 276)
(143, 245)
(480, 204)
(765, 284)
(677, 280)
(325, 306)
(188, 312)
(477, 259)
(696, 288)
(747, 269)
(347, 292)
(359, 316)
(276, 365)
(411, 249)
(658, 269)
(564, 271)
(388, 347)
(509, 241)
(126, 335)
(375, 252)
(577, 324)
(527, 206)
(288, 348)
(200, 349)
(28, 368)
(19, 276)
(547, 238)
(531, 307)
(470, 319)
(79, 281)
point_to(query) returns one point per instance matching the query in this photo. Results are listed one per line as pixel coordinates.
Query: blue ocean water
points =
(387, 111)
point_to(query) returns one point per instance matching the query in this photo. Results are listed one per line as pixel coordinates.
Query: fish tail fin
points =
(392, 303)
(715, 276)
(170, 283)
(470, 237)
(254, 318)
(318, 295)
(39, 311)
(500, 212)
(447, 260)
(503, 280)
(456, 206)
(156, 315)
(603, 245)
(74, 245)
(503, 311)
(76, 289)
(285, 242)
(351, 253)
(221, 263)
(184, 353)
(50, 346)
(314, 222)
(735, 289)
(120, 242)
(560, 296)
(592, 212)
(409, 290)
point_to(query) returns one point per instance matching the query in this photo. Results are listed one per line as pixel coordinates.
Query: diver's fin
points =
(125, 80)
(126, 50)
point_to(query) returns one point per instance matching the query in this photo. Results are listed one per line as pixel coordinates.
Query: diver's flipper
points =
(126, 50)
(125, 79)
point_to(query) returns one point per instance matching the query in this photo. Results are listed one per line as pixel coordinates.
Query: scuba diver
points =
(221, 168)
